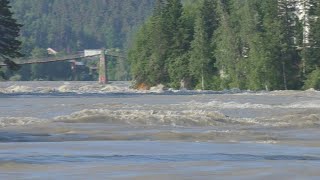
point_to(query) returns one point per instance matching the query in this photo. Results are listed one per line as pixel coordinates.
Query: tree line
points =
(223, 44)
(71, 26)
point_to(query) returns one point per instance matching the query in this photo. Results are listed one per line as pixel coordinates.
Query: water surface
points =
(83, 130)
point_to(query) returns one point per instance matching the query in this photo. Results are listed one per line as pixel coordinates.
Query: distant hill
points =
(72, 25)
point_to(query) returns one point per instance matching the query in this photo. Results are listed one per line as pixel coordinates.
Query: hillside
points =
(73, 25)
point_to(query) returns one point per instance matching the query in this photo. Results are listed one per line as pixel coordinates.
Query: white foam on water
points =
(309, 92)
(267, 142)
(19, 121)
(114, 87)
(67, 88)
(169, 117)
(17, 89)
(157, 89)
(45, 90)
(292, 120)
(305, 104)
(229, 105)
(147, 117)
(236, 105)
(91, 87)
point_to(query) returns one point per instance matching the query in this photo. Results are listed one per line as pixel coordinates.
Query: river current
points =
(83, 130)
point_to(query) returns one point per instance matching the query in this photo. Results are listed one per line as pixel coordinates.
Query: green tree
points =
(269, 73)
(289, 55)
(246, 44)
(202, 61)
(256, 44)
(226, 47)
(9, 30)
(177, 33)
(313, 54)
(139, 54)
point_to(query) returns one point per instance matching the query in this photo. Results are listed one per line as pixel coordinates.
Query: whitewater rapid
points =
(66, 110)
(85, 130)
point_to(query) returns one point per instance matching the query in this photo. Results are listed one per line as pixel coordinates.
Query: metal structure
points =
(103, 78)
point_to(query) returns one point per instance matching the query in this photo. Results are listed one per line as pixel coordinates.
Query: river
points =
(83, 130)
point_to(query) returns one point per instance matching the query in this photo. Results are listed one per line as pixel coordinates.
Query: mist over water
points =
(84, 129)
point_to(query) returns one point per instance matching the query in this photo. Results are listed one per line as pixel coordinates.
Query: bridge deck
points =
(56, 59)
(49, 59)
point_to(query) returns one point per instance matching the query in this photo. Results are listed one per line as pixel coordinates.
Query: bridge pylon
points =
(103, 76)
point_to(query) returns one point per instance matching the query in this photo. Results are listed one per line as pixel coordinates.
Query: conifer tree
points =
(9, 30)
(150, 50)
(202, 60)
(159, 46)
(289, 56)
(313, 59)
(176, 32)
(253, 44)
(226, 52)
(312, 52)
(271, 74)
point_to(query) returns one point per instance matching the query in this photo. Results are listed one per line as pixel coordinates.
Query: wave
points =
(182, 118)
(40, 87)
(119, 125)
(305, 104)
(53, 159)
(185, 118)
(313, 104)
(64, 132)
(19, 121)
(65, 88)
(294, 120)
(229, 105)
(147, 117)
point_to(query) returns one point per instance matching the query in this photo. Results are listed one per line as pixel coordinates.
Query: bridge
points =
(103, 78)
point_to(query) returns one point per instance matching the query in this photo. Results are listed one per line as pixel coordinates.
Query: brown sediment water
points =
(84, 130)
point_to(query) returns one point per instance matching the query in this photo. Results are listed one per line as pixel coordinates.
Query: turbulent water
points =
(83, 130)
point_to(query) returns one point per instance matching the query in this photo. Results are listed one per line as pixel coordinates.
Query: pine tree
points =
(159, 46)
(243, 18)
(139, 54)
(289, 56)
(9, 30)
(305, 10)
(226, 51)
(177, 34)
(271, 74)
(202, 60)
(150, 50)
(313, 54)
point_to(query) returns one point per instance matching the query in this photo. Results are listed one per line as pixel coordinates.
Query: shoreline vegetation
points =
(215, 45)
(179, 44)
(89, 87)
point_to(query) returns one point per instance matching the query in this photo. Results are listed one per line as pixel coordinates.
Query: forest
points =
(224, 44)
(192, 44)
(69, 26)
